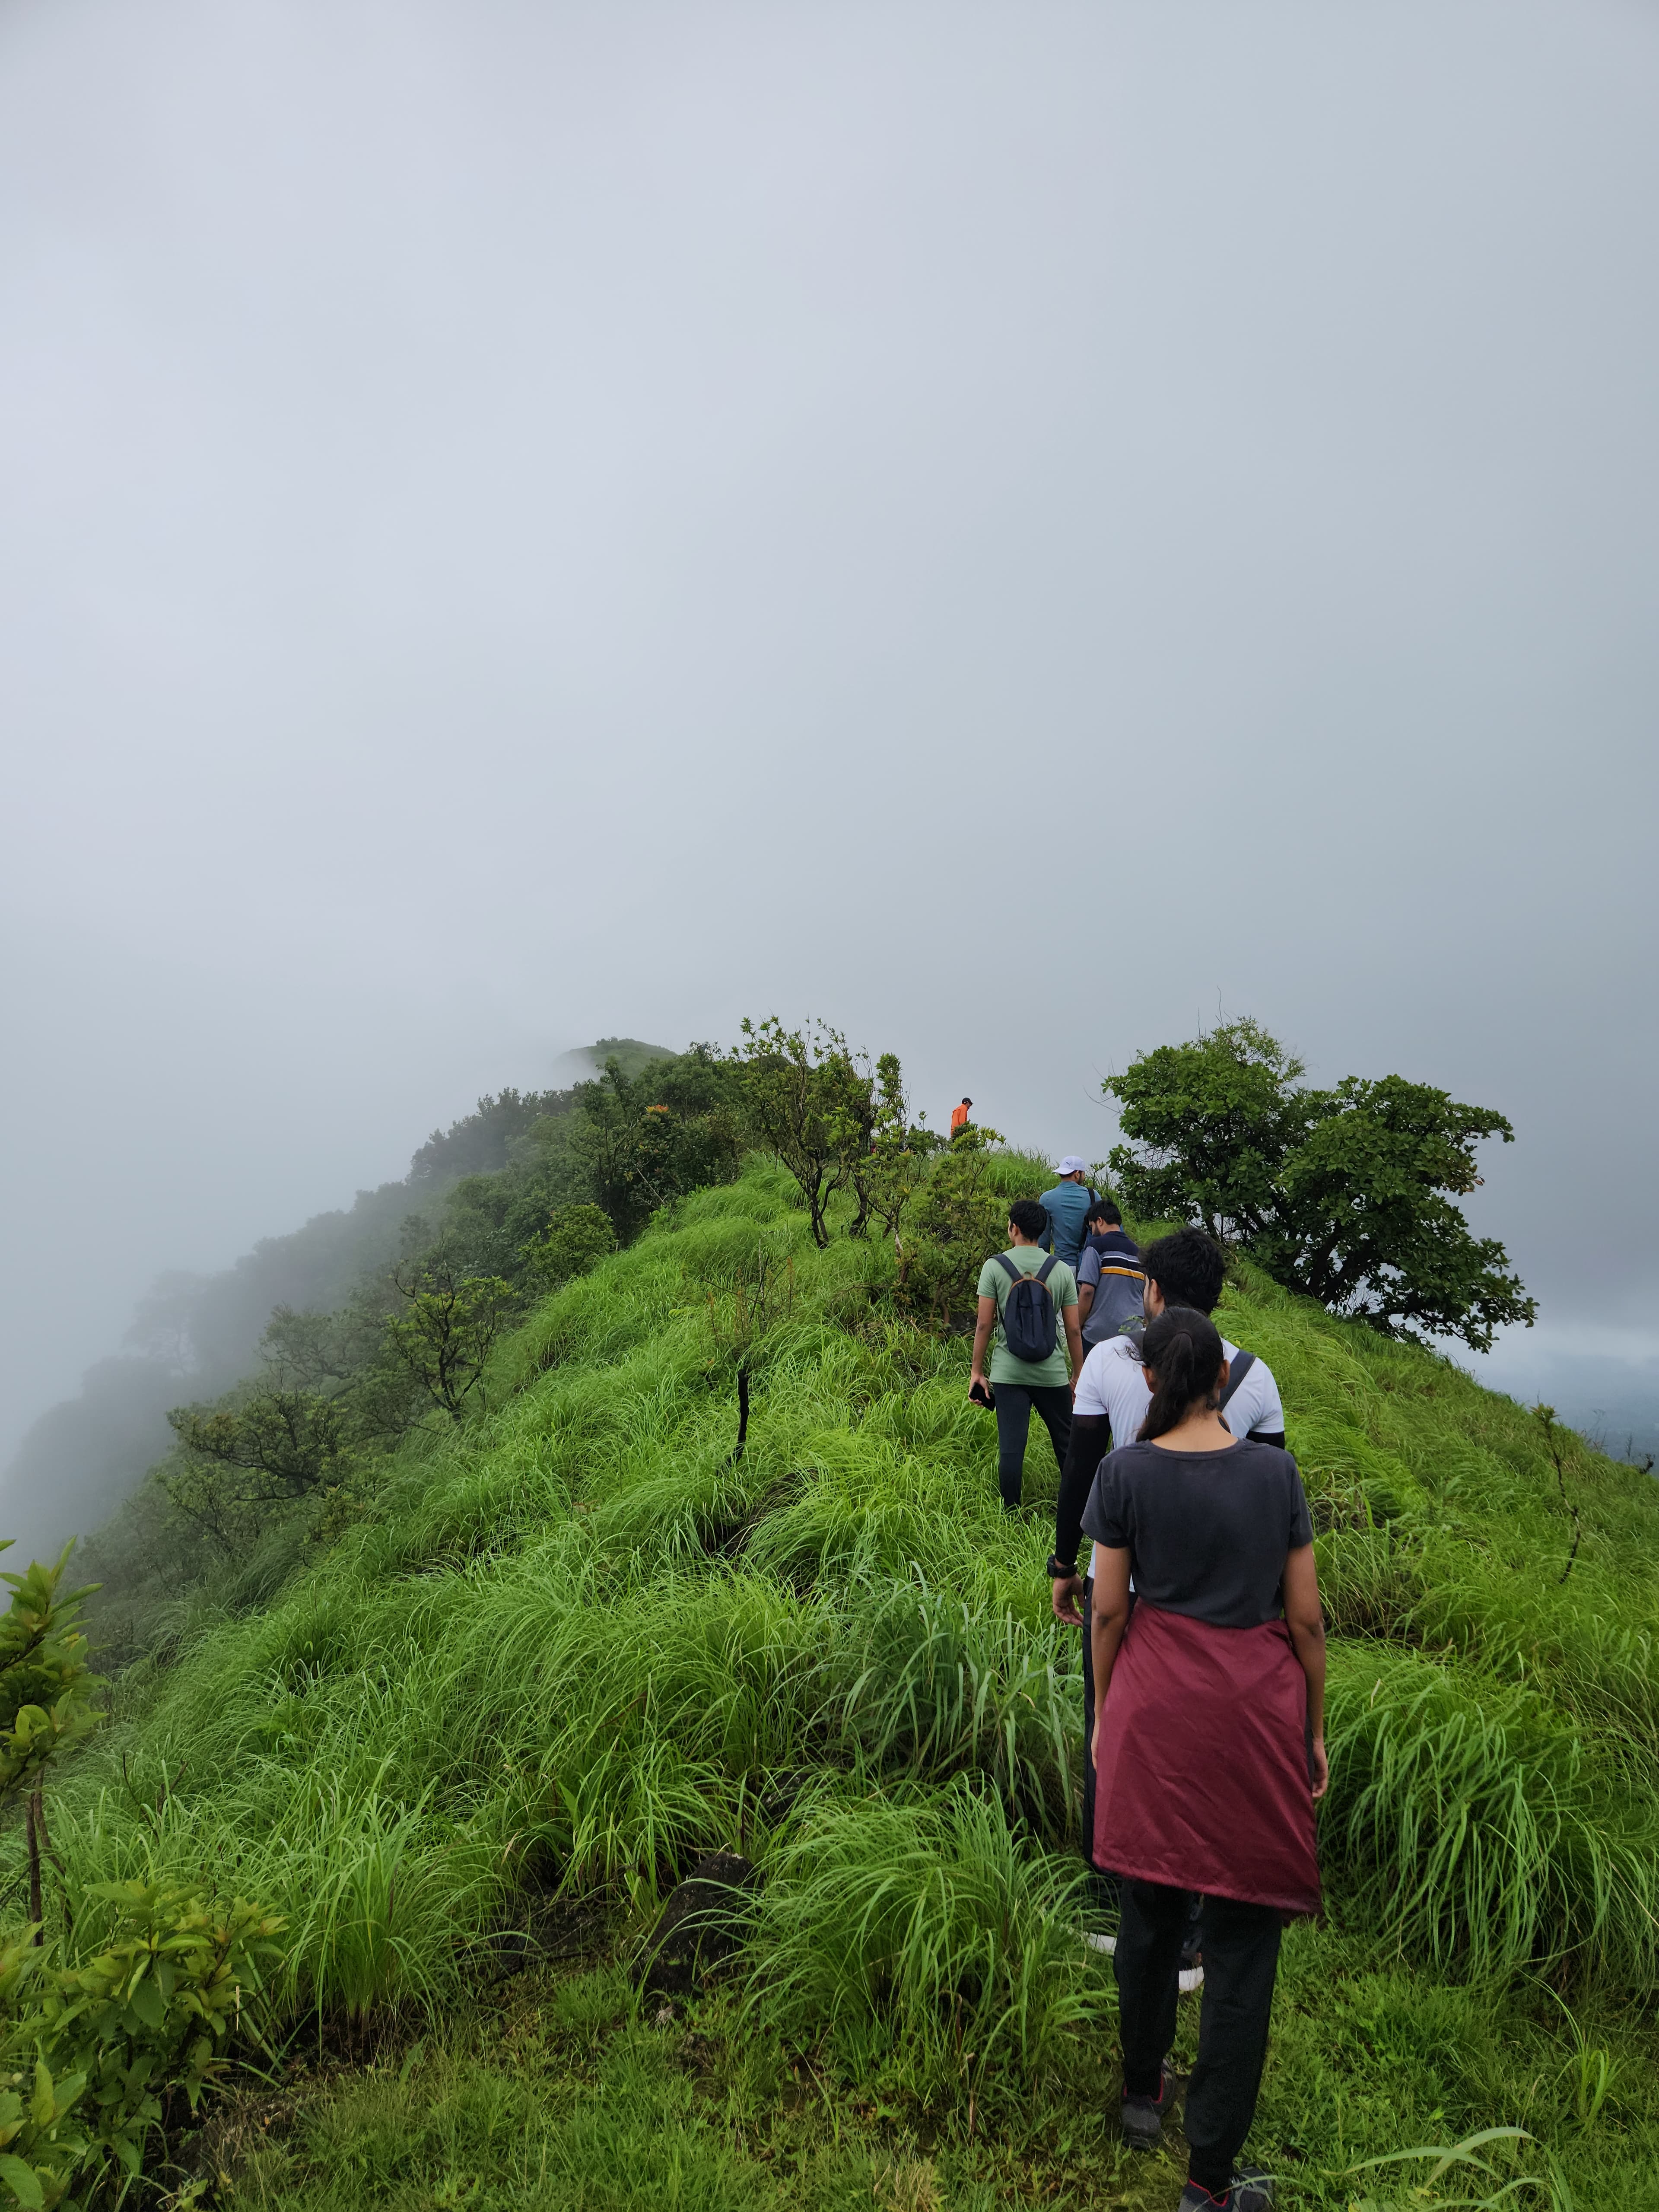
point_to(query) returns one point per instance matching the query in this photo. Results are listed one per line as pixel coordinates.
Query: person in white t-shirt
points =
(1109, 1404)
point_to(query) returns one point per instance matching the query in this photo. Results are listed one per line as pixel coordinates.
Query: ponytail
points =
(1183, 1350)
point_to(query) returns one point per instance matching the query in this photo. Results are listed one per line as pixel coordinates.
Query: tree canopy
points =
(1346, 1195)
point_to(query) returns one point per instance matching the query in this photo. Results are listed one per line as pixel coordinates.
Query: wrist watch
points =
(1060, 1571)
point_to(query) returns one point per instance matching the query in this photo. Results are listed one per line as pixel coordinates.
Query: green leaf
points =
(22, 2181)
(42, 2105)
(148, 2003)
(68, 2094)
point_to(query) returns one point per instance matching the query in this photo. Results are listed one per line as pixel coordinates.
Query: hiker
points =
(1029, 1298)
(1210, 1743)
(1109, 1404)
(959, 1116)
(1109, 1277)
(1067, 1208)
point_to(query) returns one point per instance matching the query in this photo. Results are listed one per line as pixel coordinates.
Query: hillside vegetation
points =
(571, 1642)
(199, 1335)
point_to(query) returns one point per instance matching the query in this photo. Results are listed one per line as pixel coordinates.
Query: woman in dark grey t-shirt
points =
(1209, 1739)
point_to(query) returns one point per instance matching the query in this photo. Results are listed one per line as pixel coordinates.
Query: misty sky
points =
(1015, 527)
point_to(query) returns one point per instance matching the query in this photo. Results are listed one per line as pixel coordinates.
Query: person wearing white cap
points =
(1067, 1207)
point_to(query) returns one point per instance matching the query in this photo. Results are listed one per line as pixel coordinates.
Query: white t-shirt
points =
(1112, 1383)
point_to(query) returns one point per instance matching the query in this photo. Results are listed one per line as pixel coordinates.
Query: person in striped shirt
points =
(1111, 1279)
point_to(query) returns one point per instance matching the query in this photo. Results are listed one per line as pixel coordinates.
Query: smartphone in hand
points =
(982, 1394)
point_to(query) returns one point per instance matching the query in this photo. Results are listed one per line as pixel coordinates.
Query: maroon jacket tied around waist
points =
(1201, 1781)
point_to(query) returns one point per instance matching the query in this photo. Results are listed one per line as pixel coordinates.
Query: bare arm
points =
(1108, 1616)
(984, 1324)
(1306, 1622)
(1074, 1343)
(1086, 1298)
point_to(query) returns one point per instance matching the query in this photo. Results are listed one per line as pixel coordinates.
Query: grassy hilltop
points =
(465, 1750)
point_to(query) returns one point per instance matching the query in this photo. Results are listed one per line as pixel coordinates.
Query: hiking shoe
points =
(1249, 2191)
(1143, 2117)
(1094, 1941)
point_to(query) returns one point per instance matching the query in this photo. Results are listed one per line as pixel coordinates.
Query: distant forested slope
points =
(194, 1335)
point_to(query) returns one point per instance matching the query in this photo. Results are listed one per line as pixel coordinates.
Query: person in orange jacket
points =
(959, 1115)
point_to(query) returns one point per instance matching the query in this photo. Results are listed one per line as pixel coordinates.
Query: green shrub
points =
(959, 1220)
(101, 2046)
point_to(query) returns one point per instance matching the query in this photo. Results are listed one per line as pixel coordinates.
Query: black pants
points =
(1240, 1963)
(1014, 1404)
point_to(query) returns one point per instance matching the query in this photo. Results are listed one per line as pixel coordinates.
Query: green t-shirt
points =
(995, 1282)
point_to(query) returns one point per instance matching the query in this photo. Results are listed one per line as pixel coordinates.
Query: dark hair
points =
(1103, 1210)
(1188, 1267)
(967, 1101)
(1028, 1216)
(1183, 1350)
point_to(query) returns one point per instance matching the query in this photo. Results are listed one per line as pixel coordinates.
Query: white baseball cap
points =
(1072, 1165)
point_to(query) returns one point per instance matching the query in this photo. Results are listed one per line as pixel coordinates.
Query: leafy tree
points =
(1345, 1195)
(488, 1221)
(46, 1694)
(893, 1168)
(1210, 1124)
(807, 1100)
(576, 1238)
(448, 1329)
(481, 1143)
(959, 1220)
(323, 1354)
(327, 1395)
(1368, 1221)
(345, 1358)
(642, 1141)
(281, 1443)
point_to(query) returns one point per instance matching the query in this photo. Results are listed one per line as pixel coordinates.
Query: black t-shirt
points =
(1206, 1531)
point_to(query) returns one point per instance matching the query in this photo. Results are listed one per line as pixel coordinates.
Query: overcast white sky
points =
(1011, 526)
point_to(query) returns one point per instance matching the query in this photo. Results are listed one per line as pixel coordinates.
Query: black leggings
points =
(1240, 1963)
(1014, 1404)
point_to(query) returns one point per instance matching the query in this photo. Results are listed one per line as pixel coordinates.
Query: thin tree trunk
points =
(743, 1414)
(1578, 1525)
(1578, 1536)
(34, 1823)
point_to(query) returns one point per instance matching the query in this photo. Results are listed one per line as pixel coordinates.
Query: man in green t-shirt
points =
(1017, 1385)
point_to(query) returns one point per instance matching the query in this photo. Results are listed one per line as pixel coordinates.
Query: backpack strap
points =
(1043, 1271)
(1017, 1275)
(1240, 1368)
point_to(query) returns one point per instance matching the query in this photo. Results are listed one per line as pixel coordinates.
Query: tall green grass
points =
(1480, 1829)
(576, 1644)
(922, 1933)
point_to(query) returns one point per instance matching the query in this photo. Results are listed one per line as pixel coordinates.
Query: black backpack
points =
(1028, 1313)
(1236, 1374)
